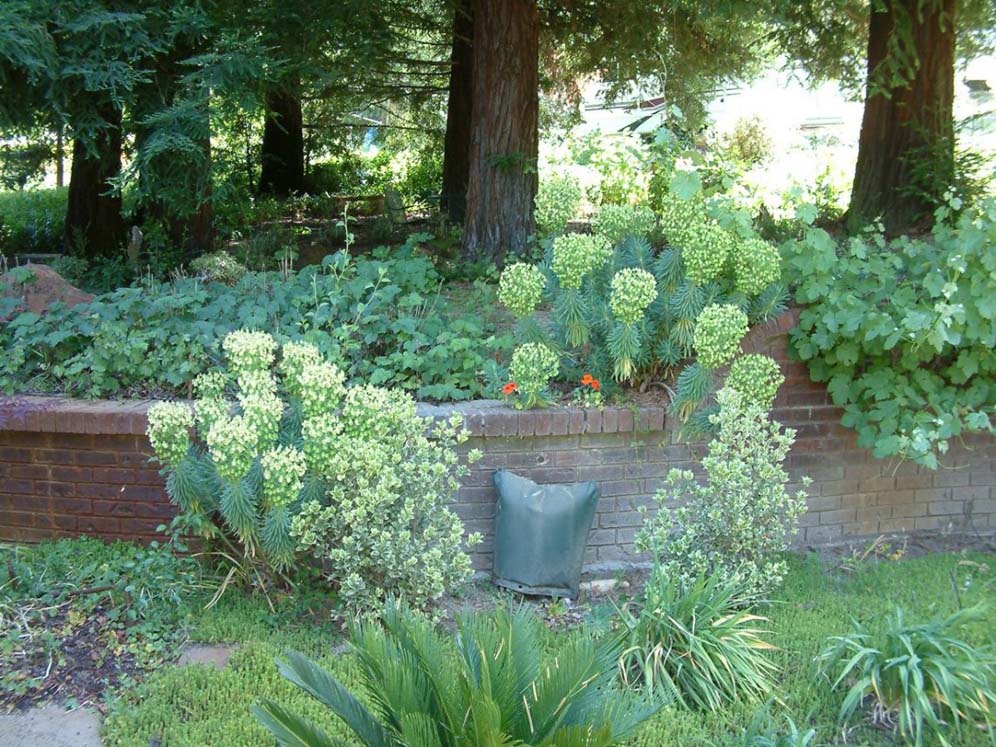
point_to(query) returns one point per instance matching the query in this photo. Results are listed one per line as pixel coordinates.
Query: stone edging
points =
(483, 418)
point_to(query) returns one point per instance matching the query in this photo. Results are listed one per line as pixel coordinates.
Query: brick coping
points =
(482, 418)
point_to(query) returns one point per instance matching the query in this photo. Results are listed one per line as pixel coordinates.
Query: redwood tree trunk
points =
(456, 145)
(282, 157)
(94, 226)
(504, 135)
(908, 125)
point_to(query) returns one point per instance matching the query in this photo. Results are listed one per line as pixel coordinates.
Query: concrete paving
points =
(50, 726)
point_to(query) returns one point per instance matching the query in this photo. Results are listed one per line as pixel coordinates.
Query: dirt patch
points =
(892, 547)
(38, 287)
(51, 726)
(212, 655)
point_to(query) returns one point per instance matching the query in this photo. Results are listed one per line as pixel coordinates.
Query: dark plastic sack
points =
(540, 534)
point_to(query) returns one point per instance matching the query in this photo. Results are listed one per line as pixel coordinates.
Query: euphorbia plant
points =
(287, 458)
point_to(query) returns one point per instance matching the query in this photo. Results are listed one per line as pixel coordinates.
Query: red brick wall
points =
(72, 467)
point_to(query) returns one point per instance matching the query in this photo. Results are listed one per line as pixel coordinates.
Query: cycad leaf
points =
(328, 690)
(290, 729)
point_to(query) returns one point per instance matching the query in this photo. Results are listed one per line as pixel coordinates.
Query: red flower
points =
(596, 385)
(510, 388)
(587, 379)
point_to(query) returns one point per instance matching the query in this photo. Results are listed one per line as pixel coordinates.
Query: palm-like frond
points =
(495, 688)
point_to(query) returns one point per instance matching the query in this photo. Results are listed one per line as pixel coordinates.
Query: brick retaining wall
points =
(70, 467)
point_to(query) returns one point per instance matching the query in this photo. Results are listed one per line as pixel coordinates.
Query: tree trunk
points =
(60, 157)
(282, 157)
(456, 145)
(906, 147)
(504, 135)
(94, 226)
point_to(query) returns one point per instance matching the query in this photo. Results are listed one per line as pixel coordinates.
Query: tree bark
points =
(282, 157)
(94, 226)
(504, 135)
(906, 147)
(456, 144)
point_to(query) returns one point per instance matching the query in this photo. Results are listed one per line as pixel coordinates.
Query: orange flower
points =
(596, 385)
(510, 388)
(587, 379)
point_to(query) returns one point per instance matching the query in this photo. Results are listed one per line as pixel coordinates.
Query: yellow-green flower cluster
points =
(577, 255)
(294, 358)
(321, 436)
(374, 413)
(718, 332)
(210, 385)
(521, 288)
(248, 350)
(633, 290)
(258, 383)
(211, 410)
(756, 265)
(232, 445)
(169, 430)
(283, 475)
(757, 378)
(533, 365)
(322, 387)
(680, 219)
(618, 222)
(263, 413)
(705, 250)
(557, 202)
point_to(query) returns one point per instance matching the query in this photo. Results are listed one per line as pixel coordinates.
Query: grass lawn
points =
(201, 705)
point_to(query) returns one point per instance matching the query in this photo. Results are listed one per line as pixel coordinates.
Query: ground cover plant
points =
(383, 319)
(79, 619)
(817, 601)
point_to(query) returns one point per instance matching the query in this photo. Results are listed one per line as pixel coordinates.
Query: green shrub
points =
(621, 163)
(749, 142)
(299, 462)
(903, 331)
(741, 517)
(623, 309)
(380, 317)
(695, 641)
(31, 221)
(496, 686)
(533, 365)
(220, 267)
(921, 679)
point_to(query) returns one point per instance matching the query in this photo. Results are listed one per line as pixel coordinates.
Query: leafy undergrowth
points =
(78, 618)
(200, 705)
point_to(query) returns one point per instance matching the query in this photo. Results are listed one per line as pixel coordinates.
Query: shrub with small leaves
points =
(169, 430)
(618, 222)
(219, 267)
(756, 265)
(576, 256)
(557, 202)
(521, 288)
(633, 290)
(756, 377)
(283, 475)
(718, 332)
(738, 520)
(533, 365)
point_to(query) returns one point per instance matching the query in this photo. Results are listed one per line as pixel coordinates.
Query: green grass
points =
(201, 706)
